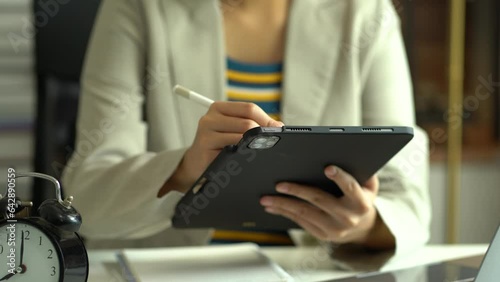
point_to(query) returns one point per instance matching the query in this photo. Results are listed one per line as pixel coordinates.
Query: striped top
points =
(256, 83)
(259, 84)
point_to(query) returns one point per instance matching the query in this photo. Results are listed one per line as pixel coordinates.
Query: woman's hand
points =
(349, 219)
(223, 124)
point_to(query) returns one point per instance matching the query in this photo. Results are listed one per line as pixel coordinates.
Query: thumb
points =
(274, 123)
(372, 184)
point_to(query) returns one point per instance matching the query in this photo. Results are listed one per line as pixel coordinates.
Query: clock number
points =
(50, 254)
(39, 244)
(26, 235)
(1, 249)
(53, 271)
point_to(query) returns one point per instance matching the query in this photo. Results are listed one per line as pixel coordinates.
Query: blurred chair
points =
(61, 39)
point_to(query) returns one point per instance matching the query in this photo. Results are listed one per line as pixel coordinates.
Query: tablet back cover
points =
(227, 195)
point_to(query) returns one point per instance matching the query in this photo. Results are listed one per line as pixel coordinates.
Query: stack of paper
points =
(235, 263)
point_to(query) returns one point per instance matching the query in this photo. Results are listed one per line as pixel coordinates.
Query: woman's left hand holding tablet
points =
(349, 219)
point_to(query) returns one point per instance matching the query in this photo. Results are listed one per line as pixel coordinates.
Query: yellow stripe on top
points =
(249, 236)
(275, 117)
(252, 96)
(254, 77)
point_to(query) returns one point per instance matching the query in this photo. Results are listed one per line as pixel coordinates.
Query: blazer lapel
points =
(196, 41)
(313, 48)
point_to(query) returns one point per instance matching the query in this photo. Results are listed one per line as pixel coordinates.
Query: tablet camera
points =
(264, 142)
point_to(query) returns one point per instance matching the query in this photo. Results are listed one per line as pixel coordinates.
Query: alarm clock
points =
(43, 248)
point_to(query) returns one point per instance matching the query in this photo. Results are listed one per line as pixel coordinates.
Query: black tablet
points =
(227, 194)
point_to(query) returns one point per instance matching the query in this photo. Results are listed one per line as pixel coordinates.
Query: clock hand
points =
(22, 249)
(8, 276)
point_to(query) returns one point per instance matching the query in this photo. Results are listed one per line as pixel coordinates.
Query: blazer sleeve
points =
(112, 176)
(403, 202)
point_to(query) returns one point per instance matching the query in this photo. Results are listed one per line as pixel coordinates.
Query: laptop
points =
(490, 270)
(449, 271)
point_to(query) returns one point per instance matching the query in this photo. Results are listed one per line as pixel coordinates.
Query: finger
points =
(326, 232)
(315, 196)
(306, 225)
(217, 141)
(245, 110)
(226, 124)
(350, 187)
(372, 184)
(344, 216)
(299, 210)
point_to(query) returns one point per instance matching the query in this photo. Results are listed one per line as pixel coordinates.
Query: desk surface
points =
(311, 263)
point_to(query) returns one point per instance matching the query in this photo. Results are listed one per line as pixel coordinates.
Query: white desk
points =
(310, 263)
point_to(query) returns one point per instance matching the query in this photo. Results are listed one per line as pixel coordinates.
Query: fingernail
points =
(270, 210)
(266, 202)
(282, 188)
(331, 171)
(276, 123)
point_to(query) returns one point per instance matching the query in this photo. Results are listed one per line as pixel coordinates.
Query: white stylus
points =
(193, 96)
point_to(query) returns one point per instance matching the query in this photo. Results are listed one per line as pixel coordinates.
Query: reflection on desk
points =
(443, 271)
(310, 263)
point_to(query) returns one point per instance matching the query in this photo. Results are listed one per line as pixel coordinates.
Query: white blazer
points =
(344, 65)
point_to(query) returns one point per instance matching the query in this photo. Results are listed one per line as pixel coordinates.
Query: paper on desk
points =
(232, 262)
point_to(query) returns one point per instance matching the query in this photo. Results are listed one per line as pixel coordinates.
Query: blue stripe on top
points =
(253, 68)
(253, 85)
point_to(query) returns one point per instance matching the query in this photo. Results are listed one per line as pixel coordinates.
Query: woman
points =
(139, 147)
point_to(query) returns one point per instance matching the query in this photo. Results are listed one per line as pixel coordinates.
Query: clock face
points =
(27, 254)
